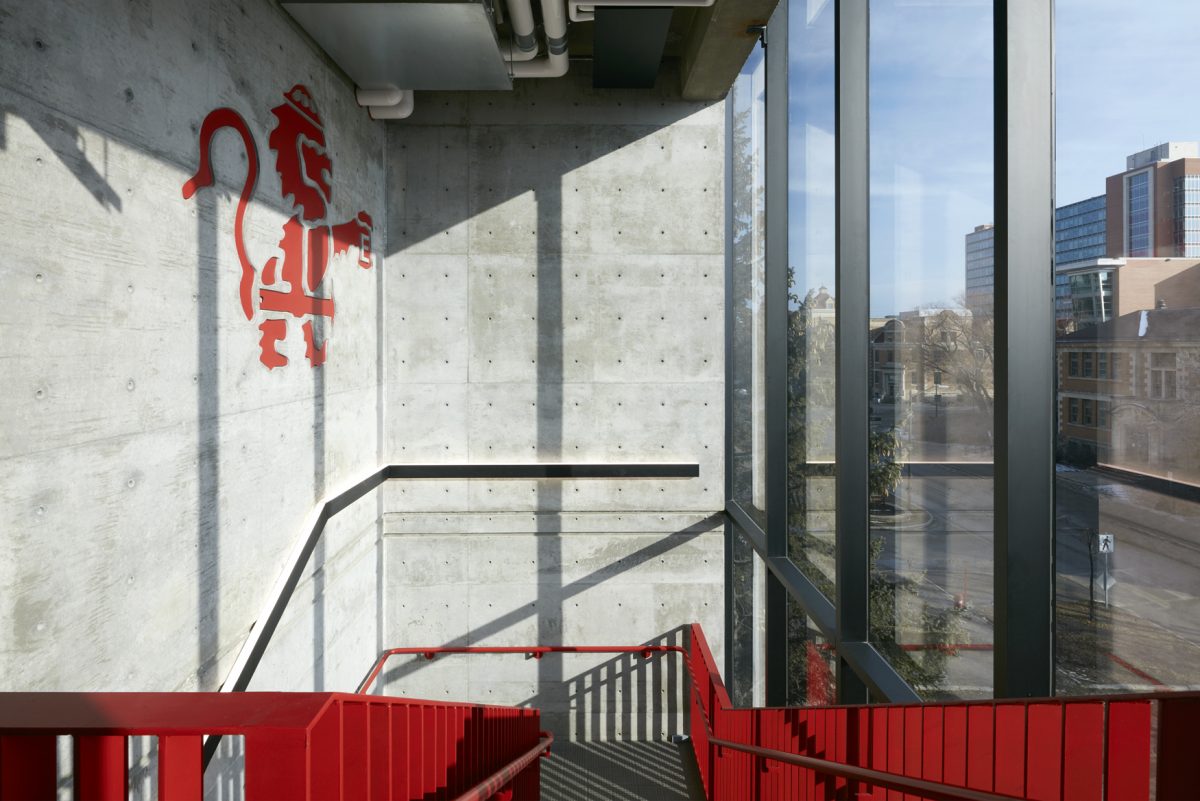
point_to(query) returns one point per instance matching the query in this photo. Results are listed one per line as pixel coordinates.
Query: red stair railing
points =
(1115, 748)
(339, 746)
(297, 745)
(532, 651)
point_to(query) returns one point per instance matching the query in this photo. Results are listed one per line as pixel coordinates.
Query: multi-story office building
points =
(981, 267)
(1133, 235)
(1079, 235)
(1079, 230)
(1153, 207)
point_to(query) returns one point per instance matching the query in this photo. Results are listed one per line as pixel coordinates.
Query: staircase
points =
(359, 746)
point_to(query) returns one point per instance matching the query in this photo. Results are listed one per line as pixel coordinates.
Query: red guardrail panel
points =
(1044, 751)
(298, 745)
(1178, 764)
(1128, 751)
(1083, 749)
(1029, 749)
(1009, 759)
(980, 746)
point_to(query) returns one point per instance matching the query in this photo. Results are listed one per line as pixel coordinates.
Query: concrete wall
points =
(548, 287)
(153, 474)
(555, 286)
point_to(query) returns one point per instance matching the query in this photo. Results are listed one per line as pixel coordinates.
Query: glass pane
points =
(1128, 478)
(811, 341)
(931, 343)
(746, 104)
(811, 661)
(746, 684)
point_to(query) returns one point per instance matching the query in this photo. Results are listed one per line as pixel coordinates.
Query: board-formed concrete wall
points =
(555, 291)
(547, 287)
(153, 473)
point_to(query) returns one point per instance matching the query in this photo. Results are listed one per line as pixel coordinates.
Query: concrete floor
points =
(620, 771)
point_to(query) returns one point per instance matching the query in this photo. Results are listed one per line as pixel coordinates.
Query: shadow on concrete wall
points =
(318, 557)
(625, 698)
(444, 174)
(67, 142)
(628, 698)
(549, 433)
(208, 446)
(431, 191)
(399, 669)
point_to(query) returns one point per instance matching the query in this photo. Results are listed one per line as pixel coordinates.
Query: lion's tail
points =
(215, 121)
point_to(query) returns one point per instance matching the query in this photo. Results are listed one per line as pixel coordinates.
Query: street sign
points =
(1106, 543)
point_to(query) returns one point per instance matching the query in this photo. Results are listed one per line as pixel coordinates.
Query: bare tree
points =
(961, 347)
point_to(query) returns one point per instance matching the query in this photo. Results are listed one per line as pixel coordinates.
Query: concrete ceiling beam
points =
(718, 44)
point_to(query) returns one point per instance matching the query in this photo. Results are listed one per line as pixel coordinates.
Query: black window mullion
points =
(852, 298)
(1024, 349)
(776, 298)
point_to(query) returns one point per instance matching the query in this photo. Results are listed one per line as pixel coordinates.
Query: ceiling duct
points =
(628, 47)
(442, 45)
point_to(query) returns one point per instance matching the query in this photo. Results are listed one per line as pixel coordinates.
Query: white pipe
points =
(554, 65)
(395, 111)
(386, 103)
(585, 10)
(388, 96)
(520, 15)
(515, 55)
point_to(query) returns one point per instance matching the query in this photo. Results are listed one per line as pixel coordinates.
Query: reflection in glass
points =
(746, 194)
(811, 661)
(931, 343)
(811, 315)
(1128, 448)
(746, 682)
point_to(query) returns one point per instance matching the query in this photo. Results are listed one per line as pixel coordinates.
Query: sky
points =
(1127, 78)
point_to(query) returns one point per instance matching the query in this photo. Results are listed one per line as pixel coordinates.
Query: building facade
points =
(981, 267)
(1153, 207)
(1128, 394)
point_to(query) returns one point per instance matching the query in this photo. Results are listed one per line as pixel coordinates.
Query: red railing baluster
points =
(28, 767)
(356, 750)
(101, 767)
(913, 742)
(879, 748)
(932, 753)
(379, 740)
(180, 767)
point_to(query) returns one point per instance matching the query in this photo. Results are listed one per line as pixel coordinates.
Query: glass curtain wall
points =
(746, 208)
(811, 344)
(931, 343)
(1128, 434)
(971, 374)
(746, 230)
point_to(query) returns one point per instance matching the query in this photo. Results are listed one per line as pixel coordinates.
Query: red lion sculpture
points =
(290, 282)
